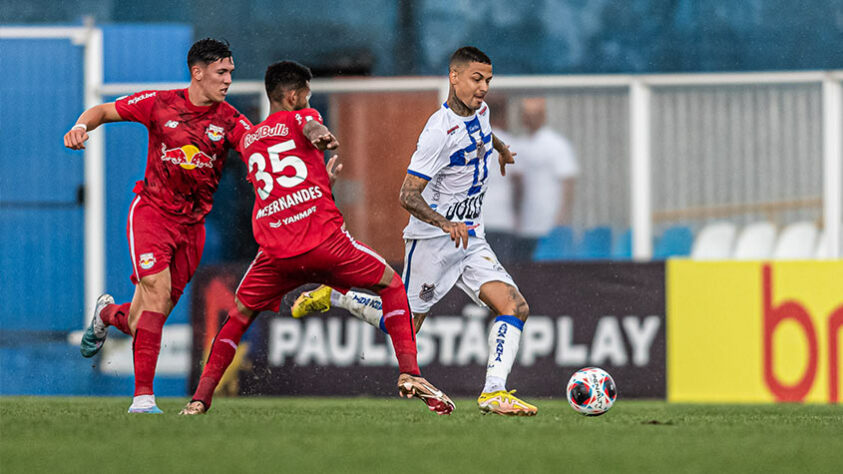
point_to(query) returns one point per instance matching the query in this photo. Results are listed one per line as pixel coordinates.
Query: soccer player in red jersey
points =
(302, 239)
(190, 133)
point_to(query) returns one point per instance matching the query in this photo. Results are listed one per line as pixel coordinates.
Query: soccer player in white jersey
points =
(445, 245)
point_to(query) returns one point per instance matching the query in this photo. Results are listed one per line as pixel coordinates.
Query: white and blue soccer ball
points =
(591, 391)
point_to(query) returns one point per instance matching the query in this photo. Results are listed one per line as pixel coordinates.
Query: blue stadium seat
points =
(596, 244)
(557, 245)
(622, 249)
(676, 241)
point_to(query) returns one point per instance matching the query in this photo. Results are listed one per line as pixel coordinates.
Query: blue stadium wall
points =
(41, 213)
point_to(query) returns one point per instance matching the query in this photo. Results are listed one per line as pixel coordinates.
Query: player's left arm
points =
(505, 156)
(320, 136)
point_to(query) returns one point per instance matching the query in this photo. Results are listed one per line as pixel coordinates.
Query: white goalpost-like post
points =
(833, 163)
(641, 219)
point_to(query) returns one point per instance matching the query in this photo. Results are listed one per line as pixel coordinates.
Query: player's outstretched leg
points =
(222, 353)
(95, 335)
(398, 323)
(362, 306)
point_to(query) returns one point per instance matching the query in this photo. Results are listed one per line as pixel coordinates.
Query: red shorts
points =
(156, 242)
(339, 261)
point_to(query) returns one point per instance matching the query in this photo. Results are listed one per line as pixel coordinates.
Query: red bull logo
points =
(215, 133)
(187, 156)
(146, 260)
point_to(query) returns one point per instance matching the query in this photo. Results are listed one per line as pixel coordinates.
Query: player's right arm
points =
(90, 119)
(413, 201)
(320, 136)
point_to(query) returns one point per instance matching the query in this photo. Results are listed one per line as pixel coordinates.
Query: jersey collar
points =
(460, 117)
(196, 108)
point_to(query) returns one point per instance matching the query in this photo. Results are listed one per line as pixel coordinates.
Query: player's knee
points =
(394, 284)
(245, 314)
(522, 309)
(155, 291)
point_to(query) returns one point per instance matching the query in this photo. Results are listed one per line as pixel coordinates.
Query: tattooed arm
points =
(320, 136)
(412, 200)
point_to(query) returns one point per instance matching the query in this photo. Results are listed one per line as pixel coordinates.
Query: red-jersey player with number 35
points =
(301, 237)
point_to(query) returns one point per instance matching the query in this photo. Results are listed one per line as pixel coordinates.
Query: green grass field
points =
(395, 435)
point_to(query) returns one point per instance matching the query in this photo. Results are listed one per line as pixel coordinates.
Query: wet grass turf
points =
(39, 434)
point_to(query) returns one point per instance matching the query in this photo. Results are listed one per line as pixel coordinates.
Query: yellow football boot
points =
(505, 403)
(312, 301)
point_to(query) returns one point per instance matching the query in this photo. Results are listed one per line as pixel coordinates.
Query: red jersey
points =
(294, 211)
(187, 149)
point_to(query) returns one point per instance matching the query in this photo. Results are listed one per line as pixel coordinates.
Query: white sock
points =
(362, 306)
(494, 384)
(143, 401)
(504, 339)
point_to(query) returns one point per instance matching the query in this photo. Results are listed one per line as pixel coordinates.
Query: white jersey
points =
(452, 155)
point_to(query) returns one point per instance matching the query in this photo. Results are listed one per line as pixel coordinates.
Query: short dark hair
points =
(469, 54)
(208, 50)
(285, 75)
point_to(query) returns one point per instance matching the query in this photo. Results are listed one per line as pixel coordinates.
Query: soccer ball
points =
(591, 391)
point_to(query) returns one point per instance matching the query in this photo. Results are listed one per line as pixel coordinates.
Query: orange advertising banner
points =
(754, 331)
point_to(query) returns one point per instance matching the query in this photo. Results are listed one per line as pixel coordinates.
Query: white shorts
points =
(433, 266)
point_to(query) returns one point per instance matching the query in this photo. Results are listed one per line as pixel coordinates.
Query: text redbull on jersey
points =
(187, 156)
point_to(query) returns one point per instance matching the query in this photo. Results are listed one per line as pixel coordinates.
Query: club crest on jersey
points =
(146, 260)
(426, 293)
(215, 133)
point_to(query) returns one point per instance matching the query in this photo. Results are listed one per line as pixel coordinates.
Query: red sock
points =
(146, 346)
(399, 324)
(222, 353)
(117, 315)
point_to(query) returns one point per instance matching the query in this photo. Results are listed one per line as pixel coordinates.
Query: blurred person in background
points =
(302, 237)
(445, 242)
(544, 179)
(499, 203)
(190, 133)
